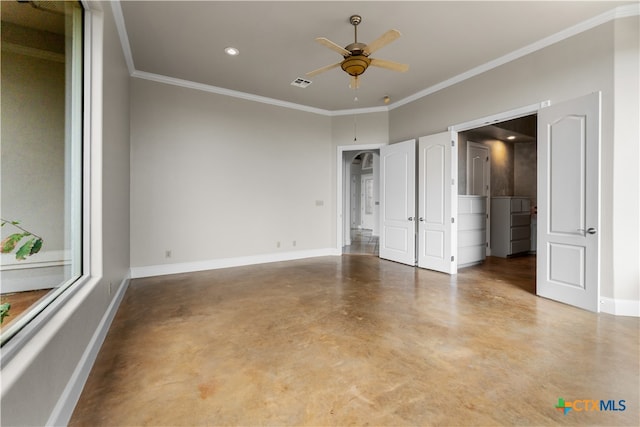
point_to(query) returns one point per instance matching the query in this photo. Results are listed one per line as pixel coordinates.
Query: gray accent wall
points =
(525, 163)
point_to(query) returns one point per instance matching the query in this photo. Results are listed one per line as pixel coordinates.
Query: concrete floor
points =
(356, 340)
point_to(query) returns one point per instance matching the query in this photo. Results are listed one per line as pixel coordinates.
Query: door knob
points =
(421, 219)
(589, 230)
(410, 218)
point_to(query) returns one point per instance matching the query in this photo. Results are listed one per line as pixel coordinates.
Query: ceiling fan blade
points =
(323, 69)
(389, 65)
(355, 82)
(381, 41)
(331, 45)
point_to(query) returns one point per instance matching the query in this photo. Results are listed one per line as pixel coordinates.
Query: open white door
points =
(398, 200)
(568, 202)
(435, 245)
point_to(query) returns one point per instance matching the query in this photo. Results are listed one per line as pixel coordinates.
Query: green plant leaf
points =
(4, 310)
(25, 250)
(36, 247)
(9, 243)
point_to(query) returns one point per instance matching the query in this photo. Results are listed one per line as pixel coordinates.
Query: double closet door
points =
(416, 197)
(418, 211)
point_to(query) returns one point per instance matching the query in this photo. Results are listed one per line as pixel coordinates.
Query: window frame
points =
(40, 315)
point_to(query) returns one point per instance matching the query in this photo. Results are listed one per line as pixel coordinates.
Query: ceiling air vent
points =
(300, 82)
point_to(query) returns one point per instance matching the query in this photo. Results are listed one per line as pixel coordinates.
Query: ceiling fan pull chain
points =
(355, 116)
(355, 128)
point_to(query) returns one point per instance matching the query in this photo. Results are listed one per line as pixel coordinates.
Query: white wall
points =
(216, 177)
(626, 158)
(571, 68)
(42, 382)
(369, 128)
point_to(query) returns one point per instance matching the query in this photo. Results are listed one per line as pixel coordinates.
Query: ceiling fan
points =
(356, 55)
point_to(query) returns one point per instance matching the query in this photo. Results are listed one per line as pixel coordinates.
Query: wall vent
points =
(300, 82)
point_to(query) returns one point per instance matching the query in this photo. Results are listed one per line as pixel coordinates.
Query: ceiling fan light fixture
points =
(357, 55)
(355, 65)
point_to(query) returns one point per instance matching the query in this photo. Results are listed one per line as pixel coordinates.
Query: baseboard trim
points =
(620, 307)
(214, 264)
(61, 414)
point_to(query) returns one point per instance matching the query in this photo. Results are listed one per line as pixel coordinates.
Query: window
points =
(41, 156)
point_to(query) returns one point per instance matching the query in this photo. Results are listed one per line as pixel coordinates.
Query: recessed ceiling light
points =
(511, 138)
(231, 51)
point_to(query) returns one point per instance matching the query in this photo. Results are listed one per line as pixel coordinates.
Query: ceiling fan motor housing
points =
(355, 65)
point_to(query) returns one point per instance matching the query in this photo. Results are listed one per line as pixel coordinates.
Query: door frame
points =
(340, 176)
(526, 110)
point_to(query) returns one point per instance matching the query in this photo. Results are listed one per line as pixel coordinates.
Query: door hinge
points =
(452, 258)
(453, 181)
(487, 158)
(453, 220)
(453, 144)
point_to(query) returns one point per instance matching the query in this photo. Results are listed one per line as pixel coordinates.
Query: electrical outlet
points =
(277, 244)
(294, 243)
(167, 253)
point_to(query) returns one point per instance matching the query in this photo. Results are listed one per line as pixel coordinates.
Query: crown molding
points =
(619, 12)
(353, 111)
(613, 14)
(124, 37)
(227, 92)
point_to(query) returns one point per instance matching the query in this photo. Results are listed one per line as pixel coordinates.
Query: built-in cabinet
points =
(510, 226)
(472, 230)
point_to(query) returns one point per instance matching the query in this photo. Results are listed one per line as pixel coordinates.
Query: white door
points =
(435, 185)
(479, 180)
(366, 201)
(568, 202)
(477, 169)
(397, 197)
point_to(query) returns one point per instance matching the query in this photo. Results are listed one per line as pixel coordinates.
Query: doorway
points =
(498, 163)
(359, 193)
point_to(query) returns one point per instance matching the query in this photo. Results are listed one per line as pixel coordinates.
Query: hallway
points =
(356, 340)
(362, 243)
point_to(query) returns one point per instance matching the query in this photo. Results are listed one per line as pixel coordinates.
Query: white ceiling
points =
(441, 40)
